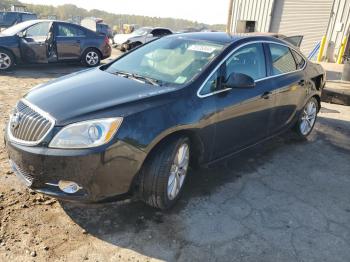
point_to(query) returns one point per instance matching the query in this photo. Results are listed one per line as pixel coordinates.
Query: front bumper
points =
(103, 176)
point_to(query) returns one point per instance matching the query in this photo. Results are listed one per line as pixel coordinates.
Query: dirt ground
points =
(281, 201)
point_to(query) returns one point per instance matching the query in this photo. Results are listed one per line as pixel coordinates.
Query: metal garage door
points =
(302, 17)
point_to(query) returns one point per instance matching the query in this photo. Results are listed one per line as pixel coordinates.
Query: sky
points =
(204, 11)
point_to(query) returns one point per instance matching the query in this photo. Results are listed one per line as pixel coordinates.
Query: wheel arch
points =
(318, 98)
(197, 149)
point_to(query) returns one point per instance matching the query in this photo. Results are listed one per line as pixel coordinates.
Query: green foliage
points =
(72, 12)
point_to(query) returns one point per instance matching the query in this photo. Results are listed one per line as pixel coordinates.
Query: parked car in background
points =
(10, 18)
(135, 125)
(140, 36)
(97, 25)
(50, 41)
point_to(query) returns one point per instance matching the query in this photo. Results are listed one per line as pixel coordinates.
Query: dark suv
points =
(8, 19)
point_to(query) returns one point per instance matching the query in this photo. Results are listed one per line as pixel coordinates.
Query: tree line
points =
(73, 13)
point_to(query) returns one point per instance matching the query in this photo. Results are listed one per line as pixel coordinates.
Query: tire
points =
(161, 179)
(7, 60)
(91, 57)
(307, 118)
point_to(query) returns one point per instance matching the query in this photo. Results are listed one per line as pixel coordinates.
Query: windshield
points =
(17, 28)
(168, 60)
(141, 31)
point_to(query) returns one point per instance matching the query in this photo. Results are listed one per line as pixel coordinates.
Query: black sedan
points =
(48, 41)
(135, 125)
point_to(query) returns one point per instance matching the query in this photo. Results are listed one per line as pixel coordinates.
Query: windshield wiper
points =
(145, 79)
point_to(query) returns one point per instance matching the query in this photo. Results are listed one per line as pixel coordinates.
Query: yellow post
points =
(341, 51)
(322, 45)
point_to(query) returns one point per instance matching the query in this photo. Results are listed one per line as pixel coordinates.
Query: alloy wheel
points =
(5, 61)
(92, 58)
(308, 117)
(178, 171)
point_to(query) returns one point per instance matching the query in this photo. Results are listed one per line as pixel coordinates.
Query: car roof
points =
(225, 38)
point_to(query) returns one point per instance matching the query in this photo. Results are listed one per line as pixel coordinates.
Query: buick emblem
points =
(15, 121)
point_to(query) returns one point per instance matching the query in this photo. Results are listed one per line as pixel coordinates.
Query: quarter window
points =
(282, 59)
(211, 85)
(299, 60)
(249, 60)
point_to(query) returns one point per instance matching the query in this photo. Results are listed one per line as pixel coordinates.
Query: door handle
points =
(266, 95)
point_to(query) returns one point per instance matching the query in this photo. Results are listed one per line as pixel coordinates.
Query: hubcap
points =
(308, 117)
(5, 61)
(178, 171)
(92, 58)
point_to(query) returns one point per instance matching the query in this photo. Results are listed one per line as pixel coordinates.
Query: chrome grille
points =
(29, 124)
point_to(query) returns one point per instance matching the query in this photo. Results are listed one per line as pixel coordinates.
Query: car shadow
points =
(134, 225)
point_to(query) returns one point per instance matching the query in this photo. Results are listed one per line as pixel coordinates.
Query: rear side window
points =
(249, 60)
(299, 60)
(282, 59)
(69, 30)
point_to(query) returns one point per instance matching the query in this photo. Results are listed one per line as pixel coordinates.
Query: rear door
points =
(288, 81)
(68, 39)
(34, 45)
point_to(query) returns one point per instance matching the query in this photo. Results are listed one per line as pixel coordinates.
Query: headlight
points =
(87, 134)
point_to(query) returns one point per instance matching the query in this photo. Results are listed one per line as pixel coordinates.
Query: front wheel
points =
(164, 173)
(91, 57)
(307, 118)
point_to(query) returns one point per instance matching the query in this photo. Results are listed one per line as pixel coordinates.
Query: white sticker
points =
(202, 48)
(180, 80)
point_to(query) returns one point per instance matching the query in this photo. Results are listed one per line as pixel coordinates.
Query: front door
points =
(242, 115)
(68, 41)
(34, 44)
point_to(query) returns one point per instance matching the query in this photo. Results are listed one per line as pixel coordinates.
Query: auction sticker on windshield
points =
(203, 48)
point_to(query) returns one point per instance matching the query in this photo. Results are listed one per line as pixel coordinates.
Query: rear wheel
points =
(91, 57)
(307, 118)
(7, 60)
(164, 173)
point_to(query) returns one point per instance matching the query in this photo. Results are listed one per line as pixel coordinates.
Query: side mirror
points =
(238, 80)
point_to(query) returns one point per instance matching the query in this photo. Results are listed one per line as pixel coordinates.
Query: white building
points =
(311, 18)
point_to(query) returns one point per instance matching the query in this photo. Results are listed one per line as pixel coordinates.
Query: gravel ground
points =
(281, 201)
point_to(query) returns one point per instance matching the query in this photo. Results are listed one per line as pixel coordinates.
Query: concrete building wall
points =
(252, 10)
(307, 17)
(339, 27)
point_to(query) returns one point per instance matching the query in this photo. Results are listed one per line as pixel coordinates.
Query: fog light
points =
(68, 187)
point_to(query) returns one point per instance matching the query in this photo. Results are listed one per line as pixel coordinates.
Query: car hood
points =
(78, 95)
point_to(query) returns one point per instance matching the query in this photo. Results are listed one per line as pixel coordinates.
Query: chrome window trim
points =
(258, 80)
(44, 114)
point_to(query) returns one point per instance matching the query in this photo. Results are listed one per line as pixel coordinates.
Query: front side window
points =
(40, 29)
(169, 60)
(69, 31)
(248, 60)
(282, 59)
